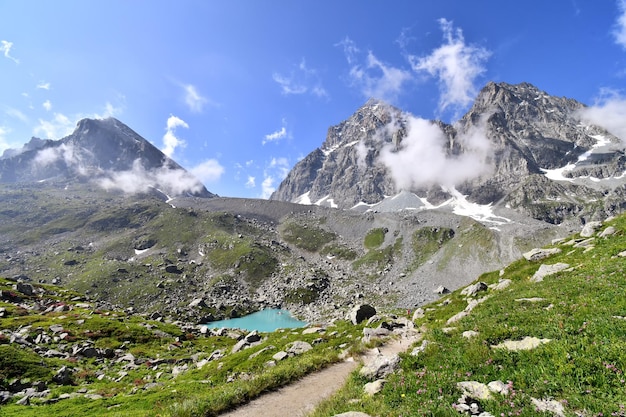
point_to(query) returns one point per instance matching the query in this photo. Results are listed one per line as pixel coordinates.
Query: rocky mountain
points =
(517, 147)
(101, 151)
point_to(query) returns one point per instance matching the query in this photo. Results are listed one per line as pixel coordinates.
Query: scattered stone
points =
(252, 337)
(198, 302)
(552, 406)
(279, 356)
(173, 269)
(25, 289)
(538, 254)
(501, 285)
(530, 300)
(469, 334)
(419, 349)
(63, 376)
(473, 289)
(457, 317)
(526, 343)
(93, 396)
(369, 333)
(608, 232)
(373, 388)
(546, 270)
(589, 229)
(418, 313)
(474, 389)
(498, 387)
(361, 312)
(240, 345)
(311, 330)
(587, 243)
(352, 414)
(441, 290)
(380, 366)
(299, 347)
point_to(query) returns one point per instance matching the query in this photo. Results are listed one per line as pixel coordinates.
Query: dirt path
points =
(300, 398)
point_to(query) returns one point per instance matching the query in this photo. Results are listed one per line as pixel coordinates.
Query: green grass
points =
(380, 257)
(219, 385)
(374, 238)
(583, 367)
(427, 241)
(306, 236)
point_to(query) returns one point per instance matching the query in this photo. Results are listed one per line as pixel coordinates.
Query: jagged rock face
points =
(529, 134)
(98, 148)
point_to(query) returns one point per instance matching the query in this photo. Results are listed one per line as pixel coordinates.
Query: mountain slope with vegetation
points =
(571, 322)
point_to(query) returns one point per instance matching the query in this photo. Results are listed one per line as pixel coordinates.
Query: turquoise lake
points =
(262, 321)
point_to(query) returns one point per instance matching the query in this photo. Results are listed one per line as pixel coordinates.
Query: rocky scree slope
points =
(529, 135)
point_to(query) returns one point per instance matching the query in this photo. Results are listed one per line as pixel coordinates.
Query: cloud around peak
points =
(456, 65)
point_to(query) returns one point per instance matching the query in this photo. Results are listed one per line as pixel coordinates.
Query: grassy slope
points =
(582, 367)
(195, 391)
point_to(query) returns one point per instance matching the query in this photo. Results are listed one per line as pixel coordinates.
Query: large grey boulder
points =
(380, 366)
(361, 312)
(546, 270)
(538, 254)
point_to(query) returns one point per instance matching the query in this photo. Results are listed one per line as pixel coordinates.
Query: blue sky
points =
(238, 91)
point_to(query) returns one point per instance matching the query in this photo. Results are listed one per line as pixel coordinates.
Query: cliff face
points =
(516, 147)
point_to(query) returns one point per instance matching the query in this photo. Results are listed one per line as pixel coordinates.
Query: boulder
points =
(526, 343)
(372, 388)
(589, 229)
(441, 290)
(380, 366)
(298, 347)
(538, 254)
(361, 312)
(474, 289)
(474, 389)
(63, 376)
(25, 289)
(252, 337)
(279, 356)
(352, 414)
(546, 270)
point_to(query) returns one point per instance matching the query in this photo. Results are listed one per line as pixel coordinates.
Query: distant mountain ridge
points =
(102, 150)
(516, 148)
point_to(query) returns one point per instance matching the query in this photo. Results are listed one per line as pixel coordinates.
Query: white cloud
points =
(43, 85)
(5, 48)
(59, 126)
(373, 77)
(456, 66)
(301, 80)
(350, 49)
(267, 187)
(47, 105)
(138, 179)
(251, 183)
(193, 99)
(208, 171)
(277, 135)
(422, 160)
(4, 144)
(619, 31)
(16, 114)
(609, 113)
(276, 170)
(170, 140)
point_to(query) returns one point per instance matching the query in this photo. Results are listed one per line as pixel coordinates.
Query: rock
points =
(93, 396)
(369, 333)
(71, 262)
(252, 337)
(419, 349)
(552, 406)
(298, 347)
(380, 366)
(469, 334)
(538, 254)
(546, 270)
(526, 343)
(501, 285)
(311, 330)
(474, 389)
(352, 414)
(173, 269)
(441, 290)
(5, 397)
(198, 302)
(279, 356)
(240, 345)
(589, 229)
(361, 312)
(498, 387)
(608, 232)
(25, 289)
(63, 376)
(457, 317)
(372, 388)
(530, 300)
(474, 289)
(585, 243)
(418, 313)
